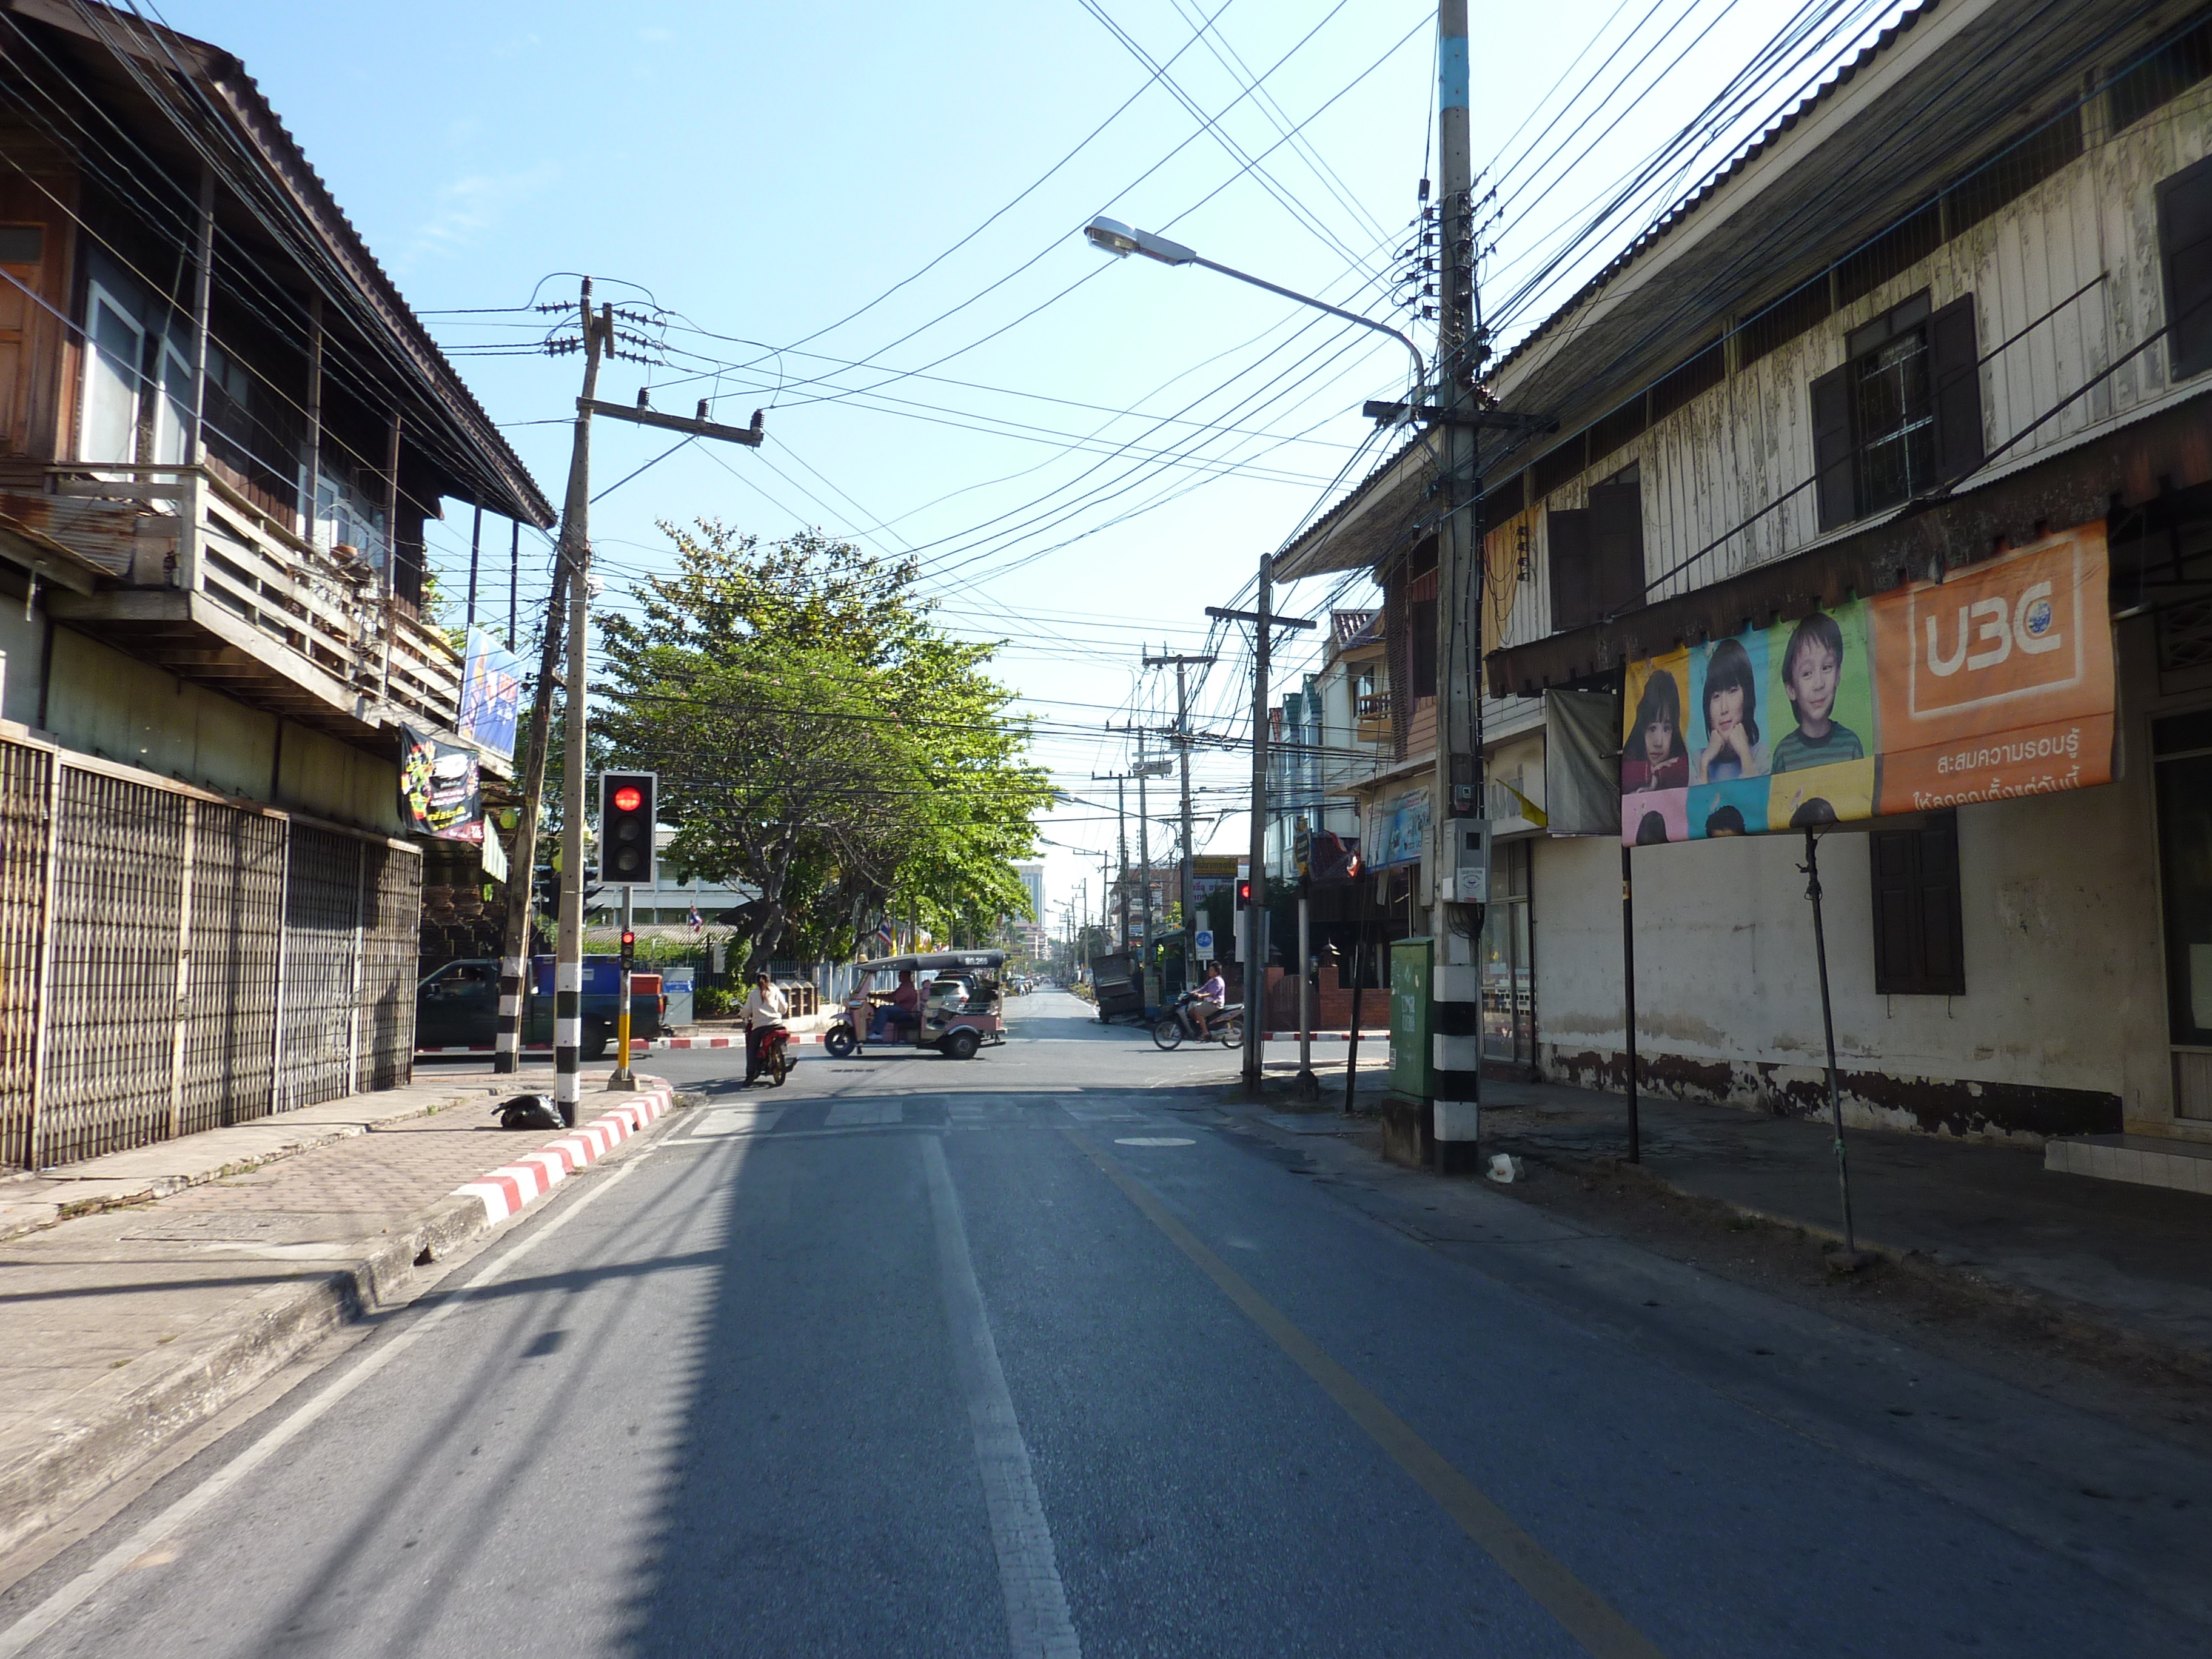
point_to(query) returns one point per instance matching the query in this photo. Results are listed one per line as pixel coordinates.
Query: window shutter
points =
(1833, 454)
(1616, 535)
(1573, 597)
(1954, 351)
(2184, 245)
(1917, 919)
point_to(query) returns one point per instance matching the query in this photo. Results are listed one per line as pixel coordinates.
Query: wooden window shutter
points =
(2184, 245)
(1616, 536)
(1573, 595)
(1918, 947)
(1954, 351)
(1834, 455)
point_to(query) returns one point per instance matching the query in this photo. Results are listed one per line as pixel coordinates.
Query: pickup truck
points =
(457, 1007)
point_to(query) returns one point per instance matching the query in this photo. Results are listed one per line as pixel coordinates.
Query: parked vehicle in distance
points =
(457, 1007)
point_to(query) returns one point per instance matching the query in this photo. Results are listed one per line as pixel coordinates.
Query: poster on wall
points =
(440, 792)
(1398, 831)
(491, 693)
(1994, 683)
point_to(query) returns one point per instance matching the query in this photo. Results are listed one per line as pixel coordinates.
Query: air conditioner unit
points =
(1465, 845)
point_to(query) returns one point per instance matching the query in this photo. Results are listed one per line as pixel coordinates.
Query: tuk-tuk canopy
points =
(935, 962)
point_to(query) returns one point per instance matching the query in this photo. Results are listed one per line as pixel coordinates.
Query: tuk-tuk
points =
(959, 1011)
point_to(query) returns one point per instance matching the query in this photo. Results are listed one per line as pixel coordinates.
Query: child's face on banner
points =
(1813, 681)
(1659, 740)
(1724, 707)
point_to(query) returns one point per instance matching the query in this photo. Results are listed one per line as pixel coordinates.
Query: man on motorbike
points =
(766, 1009)
(1210, 996)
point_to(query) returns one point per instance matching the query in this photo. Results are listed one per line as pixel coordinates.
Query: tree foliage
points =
(820, 740)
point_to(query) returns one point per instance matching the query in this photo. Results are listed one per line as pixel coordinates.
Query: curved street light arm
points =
(1420, 363)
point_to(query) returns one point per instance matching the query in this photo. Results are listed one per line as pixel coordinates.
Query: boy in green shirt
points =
(1812, 672)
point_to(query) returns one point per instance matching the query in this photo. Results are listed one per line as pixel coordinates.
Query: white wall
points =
(2065, 990)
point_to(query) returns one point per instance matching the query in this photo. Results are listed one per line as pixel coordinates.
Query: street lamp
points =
(1112, 236)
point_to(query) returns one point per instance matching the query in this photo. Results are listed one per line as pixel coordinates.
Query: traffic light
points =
(1244, 895)
(626, 828)
(628, 948)
(545, 889)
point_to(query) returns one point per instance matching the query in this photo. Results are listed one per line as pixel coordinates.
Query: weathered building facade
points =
(220, 433)
(1959, 300)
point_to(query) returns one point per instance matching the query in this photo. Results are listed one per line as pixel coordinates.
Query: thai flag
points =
(698, 922)
(886, 941)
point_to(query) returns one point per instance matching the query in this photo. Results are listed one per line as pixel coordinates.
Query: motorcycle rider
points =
(1208, 1002)
(766, 1009)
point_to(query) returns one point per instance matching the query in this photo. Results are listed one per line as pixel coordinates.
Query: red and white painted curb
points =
(511, 1187)
(797, 1038)
(479, 1048)
(1366, 1035)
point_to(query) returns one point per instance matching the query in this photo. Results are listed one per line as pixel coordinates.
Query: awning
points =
(2169, 450)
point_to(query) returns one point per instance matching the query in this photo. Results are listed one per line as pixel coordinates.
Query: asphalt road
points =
(1039, 1354)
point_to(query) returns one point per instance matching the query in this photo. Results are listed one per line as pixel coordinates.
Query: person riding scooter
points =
(766, 1009)
(1210, 996)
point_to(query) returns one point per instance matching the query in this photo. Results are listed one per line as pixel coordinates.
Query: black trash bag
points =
(529, 1112)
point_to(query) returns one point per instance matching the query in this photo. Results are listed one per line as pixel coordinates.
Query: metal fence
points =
(171, 962)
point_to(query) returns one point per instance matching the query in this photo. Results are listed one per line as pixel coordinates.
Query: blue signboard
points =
(491, 692)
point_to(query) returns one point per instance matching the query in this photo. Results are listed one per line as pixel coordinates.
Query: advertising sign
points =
(440, 792)
(1994, 683)
(1399, 829)
(491, 692)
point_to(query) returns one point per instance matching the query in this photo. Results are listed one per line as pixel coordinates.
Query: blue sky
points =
(768, 171)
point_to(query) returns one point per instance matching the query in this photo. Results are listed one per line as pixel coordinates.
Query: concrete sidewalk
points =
(2128, 1259)
(141, 1292)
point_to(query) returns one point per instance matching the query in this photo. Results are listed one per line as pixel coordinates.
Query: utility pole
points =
(1182, 664)
(1264, 623)
(573, 563)
(1456, 987)
(1120, 781)
(1145, 859)
(575, 537)
(507, 1057)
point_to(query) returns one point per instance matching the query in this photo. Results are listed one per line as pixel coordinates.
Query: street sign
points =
(1205, 941)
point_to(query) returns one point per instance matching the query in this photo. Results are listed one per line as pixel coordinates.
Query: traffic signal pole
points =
(1183, 745)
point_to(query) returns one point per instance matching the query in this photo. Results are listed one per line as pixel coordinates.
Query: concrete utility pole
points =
(1120, 781)
(522, 867)
(1456, 987)
(1145, 859)
(575, 532)
(1264, 623)
(1189, 852)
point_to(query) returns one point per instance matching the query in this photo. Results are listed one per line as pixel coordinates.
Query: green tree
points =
(820, 740)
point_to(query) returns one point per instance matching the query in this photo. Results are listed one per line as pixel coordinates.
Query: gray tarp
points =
(1582, 762)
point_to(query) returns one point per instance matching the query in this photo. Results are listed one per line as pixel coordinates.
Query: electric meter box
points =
(1465, 845)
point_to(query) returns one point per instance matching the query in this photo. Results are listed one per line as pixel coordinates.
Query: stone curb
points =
(121, 1421)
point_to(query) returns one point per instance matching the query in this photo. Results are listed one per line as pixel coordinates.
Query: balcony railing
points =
(184, 529)
(1372, 712)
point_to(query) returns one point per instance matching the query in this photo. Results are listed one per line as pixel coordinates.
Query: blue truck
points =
(457, 1007)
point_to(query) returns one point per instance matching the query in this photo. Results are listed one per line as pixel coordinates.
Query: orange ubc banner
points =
(1994, 683)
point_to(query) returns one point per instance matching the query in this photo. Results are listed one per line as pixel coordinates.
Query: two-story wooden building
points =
(221, 431)
(1958, 302)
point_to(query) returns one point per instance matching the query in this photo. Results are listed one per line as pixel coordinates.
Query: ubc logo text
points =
(1990, 630)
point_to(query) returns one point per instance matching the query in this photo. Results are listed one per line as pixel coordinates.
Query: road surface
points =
(1043, 1354)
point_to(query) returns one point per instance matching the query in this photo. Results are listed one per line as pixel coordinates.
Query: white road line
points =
(1037, 1622)
(851, 1113)
(80, 1590)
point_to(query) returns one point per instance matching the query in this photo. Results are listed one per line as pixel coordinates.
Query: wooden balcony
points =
(175, 566)
(1371, 717)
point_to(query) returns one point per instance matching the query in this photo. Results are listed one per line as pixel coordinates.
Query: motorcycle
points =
(1181, 1021)
(775, 1057)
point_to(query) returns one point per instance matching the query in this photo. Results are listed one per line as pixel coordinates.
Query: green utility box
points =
(1413, 1056)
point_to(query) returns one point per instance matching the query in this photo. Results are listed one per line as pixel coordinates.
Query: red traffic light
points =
(627, 798)
(629, 938)
(1244, 894)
